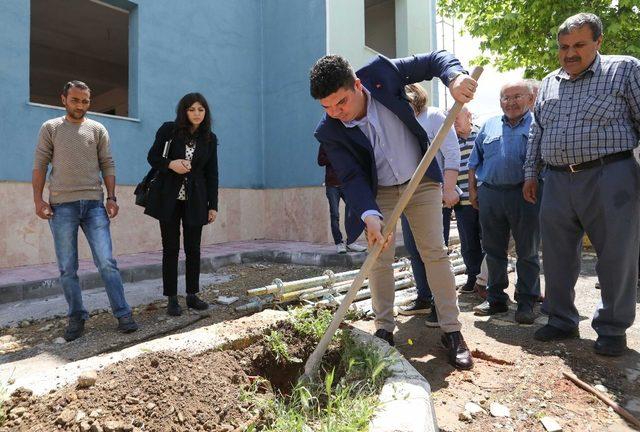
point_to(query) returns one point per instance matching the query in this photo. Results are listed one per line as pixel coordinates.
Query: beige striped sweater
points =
(78, 153)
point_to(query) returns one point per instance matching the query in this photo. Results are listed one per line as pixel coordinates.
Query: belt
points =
(574, 168)
(502, 187)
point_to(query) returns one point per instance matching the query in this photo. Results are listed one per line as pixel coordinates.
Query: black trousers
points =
(170, 230)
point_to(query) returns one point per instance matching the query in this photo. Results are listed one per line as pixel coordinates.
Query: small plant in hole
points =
(275, 343)
(311, 322)
(343, 399)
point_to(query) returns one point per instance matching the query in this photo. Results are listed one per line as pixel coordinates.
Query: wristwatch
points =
(112, 198)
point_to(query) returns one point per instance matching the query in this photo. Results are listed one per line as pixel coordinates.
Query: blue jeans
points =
(503, 210)
(334, 194)
(417, 265)
(471, 251)
(92, 217)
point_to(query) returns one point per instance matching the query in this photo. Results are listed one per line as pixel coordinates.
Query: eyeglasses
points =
(512, 98)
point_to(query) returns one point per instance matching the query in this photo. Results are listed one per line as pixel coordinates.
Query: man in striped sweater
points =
(467, 216)
(77, 149)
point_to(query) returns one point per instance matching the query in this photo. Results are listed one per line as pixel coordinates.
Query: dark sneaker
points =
(385, 335)
(74, 329)
(194, 302)
(173, 307)
(610, 345)
(487, 308)
(549, 333)
(458, 353)
(432, 319)
(481, 290)
(468, 287)
(525, 315)
(126, 324)
(416, 307)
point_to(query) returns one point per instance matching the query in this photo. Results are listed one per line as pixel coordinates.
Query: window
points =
(87, 40)
(380, 26)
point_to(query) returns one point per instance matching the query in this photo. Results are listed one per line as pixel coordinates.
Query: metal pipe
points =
(339, 287)
(345, 286)
(366, 293)
(278, 286)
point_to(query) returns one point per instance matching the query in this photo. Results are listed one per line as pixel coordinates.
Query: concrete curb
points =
(40, 288)
(405, 399)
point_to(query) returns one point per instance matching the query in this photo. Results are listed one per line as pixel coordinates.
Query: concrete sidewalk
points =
(36, 282)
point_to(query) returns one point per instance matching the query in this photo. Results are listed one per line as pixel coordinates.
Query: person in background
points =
(78, 150)
(448, 158)
(187, 194)
(334, 194)
(498, 159)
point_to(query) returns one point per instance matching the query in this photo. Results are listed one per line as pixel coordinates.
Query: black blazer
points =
(201, 182)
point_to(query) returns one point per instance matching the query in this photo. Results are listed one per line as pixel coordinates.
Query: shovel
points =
(314, 360)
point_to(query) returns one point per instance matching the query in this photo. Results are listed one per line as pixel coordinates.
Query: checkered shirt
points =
(594, 115)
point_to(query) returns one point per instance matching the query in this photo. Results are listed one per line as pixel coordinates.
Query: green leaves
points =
(517, 33)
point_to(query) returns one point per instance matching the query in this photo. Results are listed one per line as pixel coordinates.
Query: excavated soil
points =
(168, 392)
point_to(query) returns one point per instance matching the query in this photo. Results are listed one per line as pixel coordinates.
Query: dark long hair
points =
(182, 123)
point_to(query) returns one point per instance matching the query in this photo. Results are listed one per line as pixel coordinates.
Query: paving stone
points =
(499, 410)
(550, 424)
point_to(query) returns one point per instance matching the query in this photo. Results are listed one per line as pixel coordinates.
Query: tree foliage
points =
(522, 33)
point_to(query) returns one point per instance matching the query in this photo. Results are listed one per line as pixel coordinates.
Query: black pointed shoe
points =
(549, 333)
(385, 335)
(194, 302)
(458, 353)
(173, 307)
(613, 346)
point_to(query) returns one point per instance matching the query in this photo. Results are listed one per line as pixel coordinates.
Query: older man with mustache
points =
(587, 122)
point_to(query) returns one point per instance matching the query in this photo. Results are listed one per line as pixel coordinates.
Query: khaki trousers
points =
(424, 213)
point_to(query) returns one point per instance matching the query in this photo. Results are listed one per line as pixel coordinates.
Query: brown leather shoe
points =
(481, 291)
(457, 350)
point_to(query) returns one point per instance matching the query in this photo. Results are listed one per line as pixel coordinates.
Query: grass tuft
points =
(345, 397)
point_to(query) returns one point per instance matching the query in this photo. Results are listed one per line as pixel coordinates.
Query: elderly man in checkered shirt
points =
(587, 122)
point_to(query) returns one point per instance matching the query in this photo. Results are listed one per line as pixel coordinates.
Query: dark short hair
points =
(330, 74)
(75, 84)
(579, 20)
(182, 123)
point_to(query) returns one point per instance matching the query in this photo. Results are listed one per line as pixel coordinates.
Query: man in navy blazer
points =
(375, 143)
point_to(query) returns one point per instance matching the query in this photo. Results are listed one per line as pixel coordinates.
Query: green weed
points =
(344, 400)
(278, 346)
(311, 322)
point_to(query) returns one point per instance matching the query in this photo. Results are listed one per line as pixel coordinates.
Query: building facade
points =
(250, 58)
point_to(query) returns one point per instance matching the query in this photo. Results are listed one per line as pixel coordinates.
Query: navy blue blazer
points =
(350, 151)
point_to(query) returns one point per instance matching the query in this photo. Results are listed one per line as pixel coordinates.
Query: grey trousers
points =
(604, 202)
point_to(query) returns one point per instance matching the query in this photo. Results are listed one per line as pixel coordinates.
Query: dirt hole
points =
(170, 391)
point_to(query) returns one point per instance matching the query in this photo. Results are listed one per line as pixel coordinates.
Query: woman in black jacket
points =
(186, 191)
